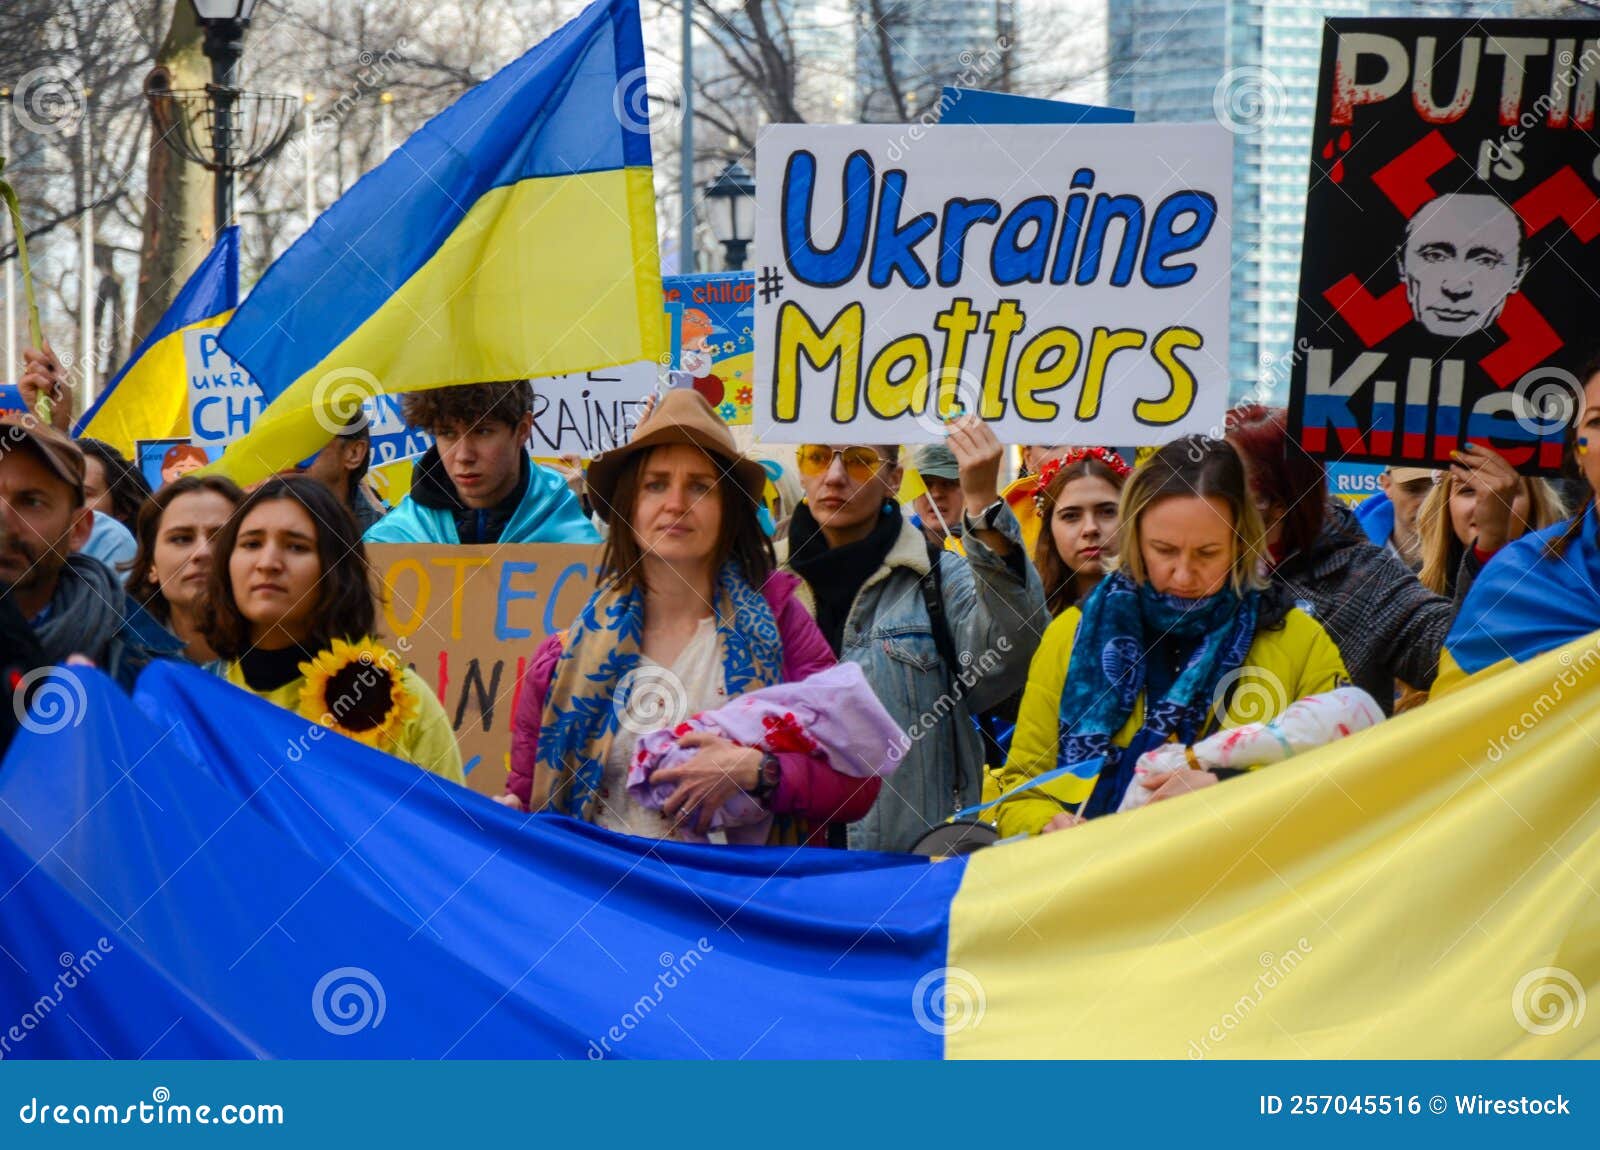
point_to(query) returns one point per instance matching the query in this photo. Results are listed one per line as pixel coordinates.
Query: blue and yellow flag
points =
(513, 236)
(1525, 602)
(1423, 889)
(149, 397)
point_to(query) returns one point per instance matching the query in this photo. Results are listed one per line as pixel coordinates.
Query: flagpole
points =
(11, 286)
(686, 148)
(86, 326)
(310, 174)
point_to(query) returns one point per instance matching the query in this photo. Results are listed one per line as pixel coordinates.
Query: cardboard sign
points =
(713, 339)
(469, 619)
(588, 413)
(223, 400)
(1067, 284)
(1445, 290)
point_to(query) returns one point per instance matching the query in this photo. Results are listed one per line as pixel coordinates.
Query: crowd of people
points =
(1033, 640)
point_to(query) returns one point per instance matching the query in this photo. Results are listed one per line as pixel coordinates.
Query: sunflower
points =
(359, 690)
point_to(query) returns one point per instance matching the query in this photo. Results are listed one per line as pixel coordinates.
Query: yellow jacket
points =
(426, 740)
(1282, 665)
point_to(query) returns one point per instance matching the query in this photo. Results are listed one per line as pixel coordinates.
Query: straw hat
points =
(682, 416)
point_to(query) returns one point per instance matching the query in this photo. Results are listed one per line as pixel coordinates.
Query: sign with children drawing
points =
(1445, 290)
(1066, 284)
(712, 320)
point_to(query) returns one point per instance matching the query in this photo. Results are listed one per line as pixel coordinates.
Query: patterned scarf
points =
(592, 685)
(1122, 625)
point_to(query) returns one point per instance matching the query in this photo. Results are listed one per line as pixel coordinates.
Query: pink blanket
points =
(833, 715)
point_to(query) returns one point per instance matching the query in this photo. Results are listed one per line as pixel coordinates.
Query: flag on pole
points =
(149, 397)
(512, 237)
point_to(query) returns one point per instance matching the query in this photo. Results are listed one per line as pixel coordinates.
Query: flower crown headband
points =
(1112, 461)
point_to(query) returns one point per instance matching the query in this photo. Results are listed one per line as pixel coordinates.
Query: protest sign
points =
(1076, 290)
(1353, 482)
(161, 461)
(713, 339)
(469, 619)
(223, 400)
(589, 412)
(1448, 262)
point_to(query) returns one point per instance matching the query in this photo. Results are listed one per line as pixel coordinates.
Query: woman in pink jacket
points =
(690, 613)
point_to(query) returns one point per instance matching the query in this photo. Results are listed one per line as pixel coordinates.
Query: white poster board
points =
(1069, 284)
(590, 412)
(223, 400)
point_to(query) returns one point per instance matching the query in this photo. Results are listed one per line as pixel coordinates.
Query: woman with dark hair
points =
(1077, 503)
(172, 566)
(1543, 590)
(291, 611)
(690, 614)
(111, 484)
(1388, 626)
(1181, 639)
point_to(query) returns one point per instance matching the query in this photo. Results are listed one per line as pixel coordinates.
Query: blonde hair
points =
(1436, 533)
(1194, 466)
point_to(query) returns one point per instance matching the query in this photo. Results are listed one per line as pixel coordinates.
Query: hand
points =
(1062, 821)
(978, 453)
(513, 801)
(43, 375)
(709, 779)
(571, 469)
(645, 409)
(1169, 783)
(1496, 484)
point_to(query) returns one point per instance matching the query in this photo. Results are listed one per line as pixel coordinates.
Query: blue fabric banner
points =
(291, 893)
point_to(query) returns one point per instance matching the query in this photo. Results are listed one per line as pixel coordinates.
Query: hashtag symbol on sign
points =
(771, 284)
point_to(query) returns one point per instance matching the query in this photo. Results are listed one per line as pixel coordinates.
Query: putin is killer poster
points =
(1450, 281)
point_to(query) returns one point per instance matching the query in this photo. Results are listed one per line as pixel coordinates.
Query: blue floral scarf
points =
(591, 684)
(1121, 651)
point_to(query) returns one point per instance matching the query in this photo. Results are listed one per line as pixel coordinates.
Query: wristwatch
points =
(767, 776)
(987, 519)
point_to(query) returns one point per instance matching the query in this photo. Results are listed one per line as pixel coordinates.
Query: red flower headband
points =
(1052, 468)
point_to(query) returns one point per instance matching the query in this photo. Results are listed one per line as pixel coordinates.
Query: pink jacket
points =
(808, 788)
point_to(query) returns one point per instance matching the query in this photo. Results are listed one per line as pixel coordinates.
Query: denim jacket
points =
(995, 616)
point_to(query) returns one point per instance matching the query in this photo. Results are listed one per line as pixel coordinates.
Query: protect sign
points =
(1069, 285)
(1449, 268)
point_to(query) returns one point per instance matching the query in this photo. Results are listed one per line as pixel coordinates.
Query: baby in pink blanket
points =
(833, 715)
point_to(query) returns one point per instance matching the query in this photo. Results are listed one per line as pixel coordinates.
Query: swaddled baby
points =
(1310, 722)
(833, 715)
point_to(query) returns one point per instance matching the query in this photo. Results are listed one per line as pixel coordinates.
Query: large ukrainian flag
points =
(1424, 889)
(513, 236)
(149, 397)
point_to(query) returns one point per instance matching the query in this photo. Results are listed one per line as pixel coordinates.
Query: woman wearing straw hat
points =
(689, 614)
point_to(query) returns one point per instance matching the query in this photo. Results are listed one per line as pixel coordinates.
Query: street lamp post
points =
(732, 196)
(225, 22)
